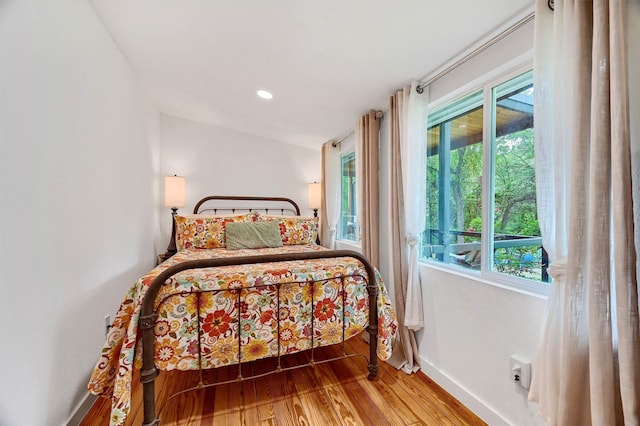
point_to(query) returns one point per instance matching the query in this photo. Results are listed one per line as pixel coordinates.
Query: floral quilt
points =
(239, 302)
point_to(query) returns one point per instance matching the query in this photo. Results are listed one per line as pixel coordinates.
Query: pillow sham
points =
(294, 229)
(250, 235)
(201, 231)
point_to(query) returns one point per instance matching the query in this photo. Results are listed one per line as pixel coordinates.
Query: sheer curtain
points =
(407, 220)
(367, 138)
(587, 370)
(330, 209)
(413, 178)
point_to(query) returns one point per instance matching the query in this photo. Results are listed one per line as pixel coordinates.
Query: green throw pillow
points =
(249, 235)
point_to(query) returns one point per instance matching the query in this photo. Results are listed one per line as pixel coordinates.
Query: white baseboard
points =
(81, 410)
(478, 407)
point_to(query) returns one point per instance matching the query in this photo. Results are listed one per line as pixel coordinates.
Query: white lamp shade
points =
(174, 191)
(315, 195)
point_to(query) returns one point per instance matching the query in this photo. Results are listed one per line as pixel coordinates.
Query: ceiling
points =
(326, 62)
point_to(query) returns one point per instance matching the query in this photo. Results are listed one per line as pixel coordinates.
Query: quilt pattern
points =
(239, 303)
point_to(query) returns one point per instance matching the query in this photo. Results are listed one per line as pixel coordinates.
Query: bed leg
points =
(147, 378)
(372, 328)
(373, 352)
(373, 371)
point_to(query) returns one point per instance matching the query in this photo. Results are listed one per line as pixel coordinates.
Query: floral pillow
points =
(201, 231)
(294, 229)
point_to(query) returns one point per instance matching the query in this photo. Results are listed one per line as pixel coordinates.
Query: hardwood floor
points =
(333, 393)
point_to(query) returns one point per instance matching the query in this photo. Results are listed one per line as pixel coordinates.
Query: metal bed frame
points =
(148, 316)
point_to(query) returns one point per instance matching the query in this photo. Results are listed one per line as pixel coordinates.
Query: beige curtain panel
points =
(367, 141)
(330, 202)
(587, 371)
(405, 349)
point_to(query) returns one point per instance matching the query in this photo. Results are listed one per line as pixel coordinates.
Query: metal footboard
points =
(148, 317)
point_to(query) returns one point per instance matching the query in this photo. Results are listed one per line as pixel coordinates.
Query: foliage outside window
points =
(348, 217)
(481, 195)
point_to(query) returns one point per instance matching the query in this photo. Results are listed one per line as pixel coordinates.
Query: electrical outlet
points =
(107, 324)
(520, 371)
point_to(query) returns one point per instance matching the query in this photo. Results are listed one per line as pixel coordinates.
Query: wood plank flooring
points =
(333, 393)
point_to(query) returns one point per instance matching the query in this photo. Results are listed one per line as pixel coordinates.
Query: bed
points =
(247, 282)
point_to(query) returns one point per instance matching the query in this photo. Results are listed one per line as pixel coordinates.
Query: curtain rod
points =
(336, 143)
(483, 47)
(379, 114)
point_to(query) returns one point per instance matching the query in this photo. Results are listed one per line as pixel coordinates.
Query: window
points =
(481, 195)
(348, 218)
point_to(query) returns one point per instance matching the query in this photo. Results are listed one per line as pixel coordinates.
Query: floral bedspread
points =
(223, 320)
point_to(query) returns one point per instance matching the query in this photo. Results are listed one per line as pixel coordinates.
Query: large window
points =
(348, 218)
(481, 195)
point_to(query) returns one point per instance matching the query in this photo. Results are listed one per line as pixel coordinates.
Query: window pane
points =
(517, 243)
(348, 225)
(454, 174)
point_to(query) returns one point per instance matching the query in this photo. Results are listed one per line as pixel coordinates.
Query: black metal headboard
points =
(222, 204)
(231, 204)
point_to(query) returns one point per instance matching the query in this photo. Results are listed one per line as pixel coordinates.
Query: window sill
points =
(526, 287)
(348, 245)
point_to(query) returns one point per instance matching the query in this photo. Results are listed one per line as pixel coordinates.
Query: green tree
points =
(515, 189)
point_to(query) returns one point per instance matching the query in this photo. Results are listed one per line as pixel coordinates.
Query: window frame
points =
(487, 86)
(348, 156)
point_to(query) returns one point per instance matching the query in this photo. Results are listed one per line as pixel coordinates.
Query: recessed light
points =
(264, 94)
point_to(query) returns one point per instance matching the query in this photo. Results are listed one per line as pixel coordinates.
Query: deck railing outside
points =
(518, 255)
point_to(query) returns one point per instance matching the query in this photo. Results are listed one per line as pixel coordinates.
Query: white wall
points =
(217, 161)
(384, 176)
(77, 190)
(472, 327)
